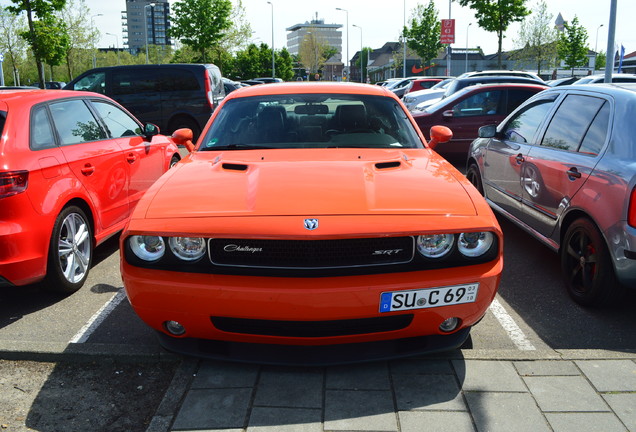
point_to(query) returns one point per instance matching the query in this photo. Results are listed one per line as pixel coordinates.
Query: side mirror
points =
(183, 137)
(150, 130)
(488, 131)
(439, 134)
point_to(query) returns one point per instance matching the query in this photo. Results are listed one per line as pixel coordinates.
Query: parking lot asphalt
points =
(462, 390)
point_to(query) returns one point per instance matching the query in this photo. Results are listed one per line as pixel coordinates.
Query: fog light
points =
(449, 324)
(174, 328)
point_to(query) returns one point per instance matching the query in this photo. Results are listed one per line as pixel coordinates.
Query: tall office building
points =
(145, 23)
(328, 34)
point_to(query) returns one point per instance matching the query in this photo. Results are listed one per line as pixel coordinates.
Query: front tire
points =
(587, 267)
(70, 252)
(473, 176)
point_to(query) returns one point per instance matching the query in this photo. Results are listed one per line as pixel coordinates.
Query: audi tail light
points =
(13, 183)
(631, 212)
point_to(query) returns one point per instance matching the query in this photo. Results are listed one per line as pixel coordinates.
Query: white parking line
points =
(84, 333)
(510, 326)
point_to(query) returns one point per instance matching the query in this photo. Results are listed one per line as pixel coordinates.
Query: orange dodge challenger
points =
(312, 224)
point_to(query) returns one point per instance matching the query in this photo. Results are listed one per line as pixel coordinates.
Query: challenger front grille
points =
(311, 254)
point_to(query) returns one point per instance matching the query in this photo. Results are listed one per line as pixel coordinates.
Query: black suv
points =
(172, 96)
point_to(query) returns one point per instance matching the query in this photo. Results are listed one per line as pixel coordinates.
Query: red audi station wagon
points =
(72, 167)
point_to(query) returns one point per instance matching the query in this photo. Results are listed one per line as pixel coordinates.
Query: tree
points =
(496, 15)
(201, 24)
(83, 36)
(601, 61)
(284, 65)
(423, 36)
(49, 42)
(10, 41)
(362, 61)
(311, 52)
(537, 38)
(42, 9)
(572, 45)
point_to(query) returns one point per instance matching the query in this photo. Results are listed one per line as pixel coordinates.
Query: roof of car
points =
(32, 96)
(310, 87)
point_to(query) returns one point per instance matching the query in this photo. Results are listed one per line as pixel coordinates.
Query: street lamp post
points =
(361, 52)
(93, 25)
(596, 44)
(404, 43)
(347, 23)
(116, 44)
(273, 61)
(467, 27)
(151, 5)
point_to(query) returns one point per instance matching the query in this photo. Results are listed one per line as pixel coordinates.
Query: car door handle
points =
(88, 169)
(131, 158)
(520, 159)
(573, 173)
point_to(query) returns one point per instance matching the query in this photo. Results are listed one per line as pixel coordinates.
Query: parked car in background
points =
(52, 85)
(562, 81)
(172, 96)
(423, 84)
(412, 99)
(399, 86)
(229, 85)
(470, 108)
(502, 72)
(72, 167)
(599, 79)
(268, 80)
(563, 167)
(314, 222)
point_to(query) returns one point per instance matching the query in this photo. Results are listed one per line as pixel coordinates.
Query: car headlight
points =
(475, 244)
(147, 248)
(187, 248)
(435, 245)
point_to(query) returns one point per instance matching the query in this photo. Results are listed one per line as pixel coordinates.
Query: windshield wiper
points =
(236, 147)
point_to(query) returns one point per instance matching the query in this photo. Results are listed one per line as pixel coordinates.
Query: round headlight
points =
(435, 245)
(147, 248)
(187, 248)
(475, 244)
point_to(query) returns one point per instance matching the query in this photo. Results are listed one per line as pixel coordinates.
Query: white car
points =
(413, 99)
(600, 78)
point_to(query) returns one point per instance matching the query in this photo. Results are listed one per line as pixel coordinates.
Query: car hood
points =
(308, 182)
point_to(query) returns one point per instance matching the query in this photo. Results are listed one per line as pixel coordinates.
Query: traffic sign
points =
(448, 31)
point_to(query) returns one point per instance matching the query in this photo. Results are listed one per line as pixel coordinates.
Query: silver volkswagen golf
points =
(563, 167)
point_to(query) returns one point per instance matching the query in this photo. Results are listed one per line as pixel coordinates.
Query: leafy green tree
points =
(423, 36)
(601, 61)
(311, 52)
(284, 65)
(83, 35)
(362, 61)
(50, 36)
(537, 38)
(496, 16)
(10, 41)
(247, 64)
(572, 45)
(201, 24)
(42, 9)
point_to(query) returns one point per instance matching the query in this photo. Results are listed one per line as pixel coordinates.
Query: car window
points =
(311, 121)
(177, 80)
(41, 131)
(484, 103)
(127, 81)
(95, 82)
(523, 126)
(597, 134)
(75, 123)
(516, 97)
(571, 122)
(118, 123)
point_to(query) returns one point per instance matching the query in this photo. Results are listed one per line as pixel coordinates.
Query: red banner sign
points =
(448, 31)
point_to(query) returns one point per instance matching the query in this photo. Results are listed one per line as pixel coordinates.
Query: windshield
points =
(311, 121)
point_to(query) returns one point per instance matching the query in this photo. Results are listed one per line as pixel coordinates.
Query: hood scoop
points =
(388, 165)
(234, 166)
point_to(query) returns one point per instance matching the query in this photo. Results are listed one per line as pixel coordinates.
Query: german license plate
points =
(428, 297)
